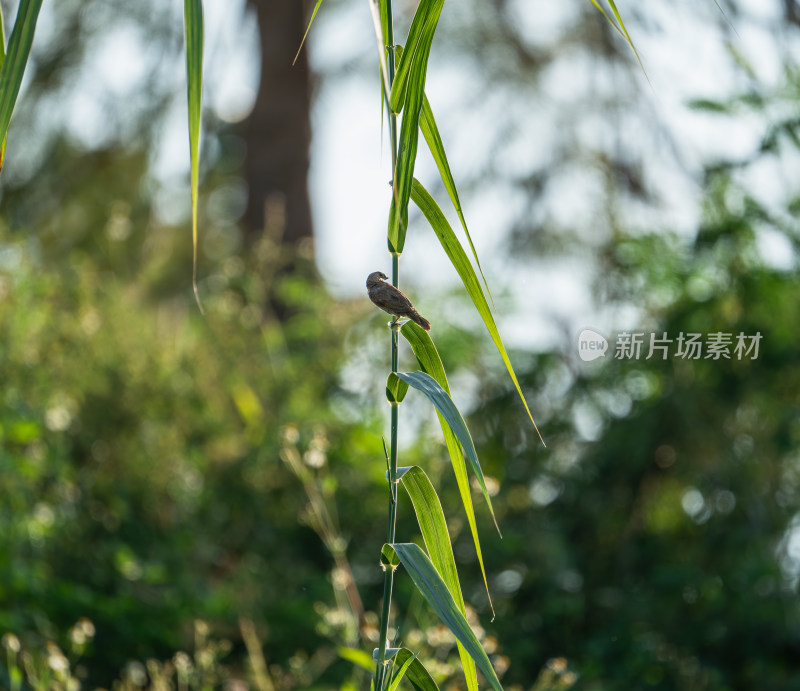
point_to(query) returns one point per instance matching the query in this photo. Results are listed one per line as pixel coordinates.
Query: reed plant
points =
(433, 571)
(403, 71)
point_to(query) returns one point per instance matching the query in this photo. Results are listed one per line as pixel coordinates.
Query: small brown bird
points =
(391, 300)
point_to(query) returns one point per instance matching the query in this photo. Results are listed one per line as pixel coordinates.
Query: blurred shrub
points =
(140, 478)
(654, 542)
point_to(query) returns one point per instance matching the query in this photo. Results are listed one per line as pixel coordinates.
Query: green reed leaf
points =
(430, 131)
(308, 28)
(433, 527)
(14, 63)
(2, 39)
(433, 589)
(426, 384)
(619, 26)
(380, 25)
(423, 27)
(398, 677)
(193, 26)
(419, 677)
(430, 362)
(460, 261)
(410, 84)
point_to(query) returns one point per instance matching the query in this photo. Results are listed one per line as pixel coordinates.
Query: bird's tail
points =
(418, 319)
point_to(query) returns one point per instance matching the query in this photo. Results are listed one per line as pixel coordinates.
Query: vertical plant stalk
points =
(388, 576)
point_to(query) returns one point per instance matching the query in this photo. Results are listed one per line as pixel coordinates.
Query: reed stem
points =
(388, 576)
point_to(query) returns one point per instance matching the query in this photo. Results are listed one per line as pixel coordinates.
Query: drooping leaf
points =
(625, 32)
(193, 25)
(619, 25)
(430, 362)
(14, 63)
(433, 589)
(460, 261)
(433, 527)
(308, 28)
(424, 383)
(430, 131)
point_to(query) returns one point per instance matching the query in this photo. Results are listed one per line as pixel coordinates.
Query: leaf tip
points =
(299, 50)
(497, 527)
(197, 297)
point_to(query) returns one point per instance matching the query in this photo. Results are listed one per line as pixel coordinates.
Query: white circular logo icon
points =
(591, 345)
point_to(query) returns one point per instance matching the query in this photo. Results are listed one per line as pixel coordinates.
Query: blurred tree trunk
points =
(278, 132)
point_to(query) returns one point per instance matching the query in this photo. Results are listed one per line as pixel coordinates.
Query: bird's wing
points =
(398, 301)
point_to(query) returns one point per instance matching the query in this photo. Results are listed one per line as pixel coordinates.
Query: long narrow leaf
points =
(406, 156)
(419, 677)
(416, 673)
(433, 527)
(619, 25)
(386, 24)
(608, 19)
(308, 28)
(14, 63)
(441, 400)
(2, 60)
(2, 39)
(421, 31)
(430, 362)
(430, 131)
(461, 263)
(432, 524)
(625, 32)
(380, 36)
(434, 590)
(401, 673)
(193, 25)
(403, 176)
(386, 29)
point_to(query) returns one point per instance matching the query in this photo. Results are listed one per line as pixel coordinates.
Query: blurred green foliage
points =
(141, 484)
(654, 543)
